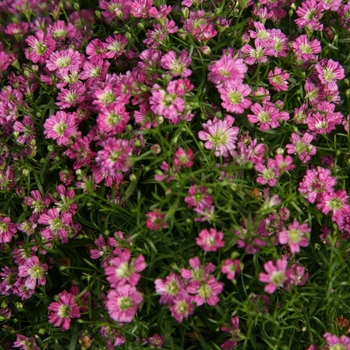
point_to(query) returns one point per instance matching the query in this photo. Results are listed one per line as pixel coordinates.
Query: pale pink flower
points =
(122, 303)
(60, 127)
(258, 54)
(121, 270)
(275, 276)
(197, 272)
(306, 50)
(211, 240)
(333, 342)
(34, 271)
(61, 311)
(115, 45)
(296, 236)
(269, 173)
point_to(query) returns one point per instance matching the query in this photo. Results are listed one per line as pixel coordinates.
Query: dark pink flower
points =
(211, 240)
(121, 270)
(234, 332)
(7, 229)
(40, 47)
(156, 220)
(231, 267)
(170, 288)
(275, 276)
(34, 271)
(61, 311)
(296, 236)
(181, 308)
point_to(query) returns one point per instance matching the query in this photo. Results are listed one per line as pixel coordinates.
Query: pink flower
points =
(304, 49)
(27, 128)
(198, 197)
(72, 96)
(301, 146)
(211, 240)
(233, 96)
(231, 267)
(167, 103)
(177, 66)
(309, 14)
(234, 332)
(278, 79)
(265, 115)
(227, 69)
(198, 272)
(61, 311)
(219, 135)
(257, 54)
(115, 156)
(170, 288)
(80, 152)
(296, 236)
(336, 203)
(41, 47)
(206, 291)
(113, 118)
(68, 60)
(122, 303)
(343, 342)
(183, 158)
(316, 182)
(7, 230)
(58, 226)
(25, 343)
(60, 127)
(269, 173)
(34, 271)
(121, 270)
(156, 220)
(115, 45)
(182, 308)
(329, 72)
(275, 276)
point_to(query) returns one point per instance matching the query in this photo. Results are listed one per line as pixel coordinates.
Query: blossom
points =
(156, 220)
(258, 54)
(122, 303)
(269, 173)
(211, 240)
(198, 197)
(197, 272)
(61, 311)
(25, 343)
(341, 343)
(121, 270)
(227, 69)
(177, 66)
(7, 229)
(301, 146)
(310, 13)
(206, 291)
(34, 271)
(296, 236)
(265, 115)
(72, 96)
(304, 49)
(329, 72)
(231, 267)
(115, 45)
(316, 182)
(278, 79)
(182, 308)
(219, 135)
(170, 288)
(41, 47)
(275, 276)
(233, 96)
(234, 332)
(60, 127)
(183, 158)
(68, 60)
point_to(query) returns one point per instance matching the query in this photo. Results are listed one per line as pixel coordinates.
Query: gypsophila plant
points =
(174, 174)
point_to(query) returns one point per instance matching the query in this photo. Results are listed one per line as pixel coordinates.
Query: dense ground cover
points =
(174, 175)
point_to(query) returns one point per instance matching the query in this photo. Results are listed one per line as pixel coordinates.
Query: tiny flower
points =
(301, 146)
(205, 292)
(7, 230)
(278, 79)
(234, 332)
(156, 220)
(183, 158)
(275, 276)
(170, 288)
(335, 343)
(231, 267)
(34, 271)
(61, 311)
(211, 240)
(296, 236)
(233, 96)
(25, 343)
(182, 308)
(121, 270)
(122, 303)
